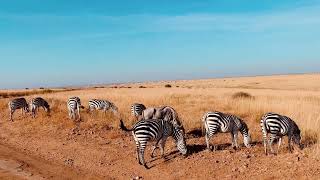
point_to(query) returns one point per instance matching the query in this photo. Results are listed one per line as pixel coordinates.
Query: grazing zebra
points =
(137, 109)
(39, 102)
(166, 113)
(158, 130)
(97, 104)
(19, 103)
(74, 105)
(279, 126)
(215, 122)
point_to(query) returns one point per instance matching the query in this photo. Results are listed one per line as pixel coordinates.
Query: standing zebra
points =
(97, 104)
(158, 130)
(19, 103)
(165, 112)
(215, 122)
(137, 109)
(39, 102)
(74, 105)
(279, 126)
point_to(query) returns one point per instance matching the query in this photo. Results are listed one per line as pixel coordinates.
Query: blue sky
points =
(74, 42)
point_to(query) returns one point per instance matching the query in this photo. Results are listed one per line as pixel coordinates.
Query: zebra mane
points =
(241, 124)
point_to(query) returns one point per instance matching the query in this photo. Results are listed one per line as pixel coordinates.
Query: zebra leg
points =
(11, 115)
(208, 141)
(235, 137)
(279, 144)
(232, 140)
(141, 154)
(155, 146)
(79, 113)
(289, 143)
(33, 111)
(272, 138)
(162, 145)
(138, 152)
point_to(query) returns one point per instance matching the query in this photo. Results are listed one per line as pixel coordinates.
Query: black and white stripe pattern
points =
(38, 102)
(279, 126)
(74, 105)
(155, 130)
(215, 122)
(98, 104)
(137, 109)
(19, 103)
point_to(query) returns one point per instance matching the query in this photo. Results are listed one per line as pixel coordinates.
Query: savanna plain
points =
(55, 147)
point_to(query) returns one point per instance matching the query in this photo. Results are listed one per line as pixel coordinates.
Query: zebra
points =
(164, 112)
(137, 109)
(39, 102)
(97, 104)
(18, 103)
(215, 122)
(74, 105)
(278, 126)
(158, 130)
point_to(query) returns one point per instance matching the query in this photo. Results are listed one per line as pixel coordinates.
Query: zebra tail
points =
(123, 127)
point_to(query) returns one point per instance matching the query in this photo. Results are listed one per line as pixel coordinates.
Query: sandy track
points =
(18, 165)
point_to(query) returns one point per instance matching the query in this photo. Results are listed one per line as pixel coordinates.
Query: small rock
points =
(235, 169)
(69, 162)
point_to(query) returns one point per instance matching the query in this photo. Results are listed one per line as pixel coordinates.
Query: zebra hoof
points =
(146, 166)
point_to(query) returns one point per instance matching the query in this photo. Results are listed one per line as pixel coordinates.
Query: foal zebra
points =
(279, 126)
(97, 104)
(19, 103)
(137, 109)
(158, 130)
(165, 112)
(215, 122)
(74, 105)
(39, 102)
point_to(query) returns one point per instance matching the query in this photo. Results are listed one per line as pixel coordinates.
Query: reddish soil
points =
(108, 153)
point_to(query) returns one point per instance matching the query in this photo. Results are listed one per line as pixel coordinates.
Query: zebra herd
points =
(73, 106)
(159, 123)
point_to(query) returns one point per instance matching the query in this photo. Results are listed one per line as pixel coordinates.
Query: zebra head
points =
(178, 135)
(47, 106)
(26, 108)
(297, 137)
(246, 135)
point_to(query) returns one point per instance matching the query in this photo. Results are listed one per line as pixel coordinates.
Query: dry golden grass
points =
(296, 96)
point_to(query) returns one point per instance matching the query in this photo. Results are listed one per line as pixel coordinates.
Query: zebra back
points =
(18, 103)
(40, 102)
(74, 103)
(278, 124)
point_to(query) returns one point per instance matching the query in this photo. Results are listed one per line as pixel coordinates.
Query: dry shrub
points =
(242, 95)
(31, 92)
(310, 137)
(168, 86)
